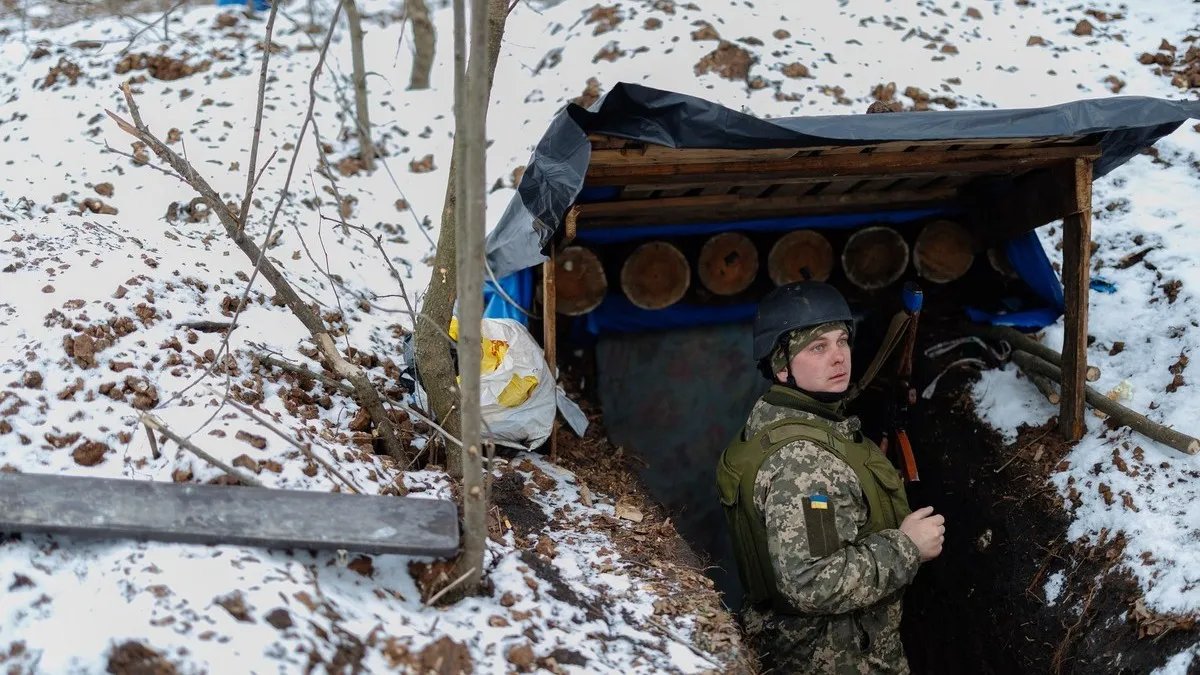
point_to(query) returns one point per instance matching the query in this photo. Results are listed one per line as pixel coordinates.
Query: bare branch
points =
(258, 115)
(153, 422)
(365, 392)
(249, 412)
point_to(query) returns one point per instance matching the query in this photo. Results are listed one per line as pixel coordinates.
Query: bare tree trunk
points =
(432, 349)
(472, 128)
(424, 40)
(366, 149)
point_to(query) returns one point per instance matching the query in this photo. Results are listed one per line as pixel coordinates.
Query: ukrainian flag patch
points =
(818, 502)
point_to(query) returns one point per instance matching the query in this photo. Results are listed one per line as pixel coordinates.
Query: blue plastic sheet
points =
(518, 286)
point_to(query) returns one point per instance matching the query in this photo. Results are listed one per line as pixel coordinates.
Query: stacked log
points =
(800, 255)
(655, 275)
(728, 263)
(580, 282)
(943, 252)
(874, 257)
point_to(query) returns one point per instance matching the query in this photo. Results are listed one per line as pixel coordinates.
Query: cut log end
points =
(1193, 447)
(943, 252)
(875, 257)
(728, 263)
(656, 275)
(1092, 373)
(799, 253)
(580, 282)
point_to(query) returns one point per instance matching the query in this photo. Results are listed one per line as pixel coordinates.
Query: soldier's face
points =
(823, 365)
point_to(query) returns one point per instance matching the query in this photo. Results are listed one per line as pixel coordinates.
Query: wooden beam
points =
(736, 207)
(607, 149)
(1034, 199)
(615, 172)
(550, 335)
(222, 514)
(1076, 272)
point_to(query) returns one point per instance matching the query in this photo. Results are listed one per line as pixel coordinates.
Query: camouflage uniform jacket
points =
(849, 601)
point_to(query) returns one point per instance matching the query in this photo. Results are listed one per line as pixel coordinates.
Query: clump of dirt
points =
(591, 93)
(1184, 71)
(510, 495)
(605, 18)
(64, 69)
(728, 61)
(160, 66)
(135, 658)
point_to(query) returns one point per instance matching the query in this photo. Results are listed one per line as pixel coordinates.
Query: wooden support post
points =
(550, 336)
(1076, 274)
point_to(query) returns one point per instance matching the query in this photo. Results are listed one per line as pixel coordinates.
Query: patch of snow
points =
(1054, 587)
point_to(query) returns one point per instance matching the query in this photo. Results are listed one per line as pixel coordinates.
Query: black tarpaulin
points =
(555, 173)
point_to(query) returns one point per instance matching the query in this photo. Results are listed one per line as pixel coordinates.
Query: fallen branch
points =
(1025, 343)
(348, 390)
(1023, 360)
(249, 412)
(153, 422)
(438, 596)
(1120, 414)
(364, 392)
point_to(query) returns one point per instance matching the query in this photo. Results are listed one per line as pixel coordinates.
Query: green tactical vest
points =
(738, 467)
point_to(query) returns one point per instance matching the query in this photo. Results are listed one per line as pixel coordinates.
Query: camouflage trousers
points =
(856, 643)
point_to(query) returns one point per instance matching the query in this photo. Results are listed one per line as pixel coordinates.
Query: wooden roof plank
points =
(883, 164)
(733, 207)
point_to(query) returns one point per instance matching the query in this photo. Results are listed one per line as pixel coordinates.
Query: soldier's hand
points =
(927, 531)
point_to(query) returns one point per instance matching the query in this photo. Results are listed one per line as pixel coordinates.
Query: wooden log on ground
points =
(1117, 412)
(655, 275)
(728, 263)
(797, 253)
(580, 282)
(875, 257)
(1043, 383)
(943, 252)
(1025, 343)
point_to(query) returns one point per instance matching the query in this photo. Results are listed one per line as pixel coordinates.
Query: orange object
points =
(908, 463)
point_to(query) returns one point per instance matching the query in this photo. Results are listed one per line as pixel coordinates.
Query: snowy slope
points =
(91, 303)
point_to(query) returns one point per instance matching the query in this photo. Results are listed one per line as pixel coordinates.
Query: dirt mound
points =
(159, 66)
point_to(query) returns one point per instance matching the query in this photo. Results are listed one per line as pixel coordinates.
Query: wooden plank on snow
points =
(221, 514)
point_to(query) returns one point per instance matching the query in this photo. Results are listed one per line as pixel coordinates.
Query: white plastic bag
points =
(514, 412)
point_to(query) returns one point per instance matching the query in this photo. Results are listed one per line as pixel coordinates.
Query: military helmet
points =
(796, 305)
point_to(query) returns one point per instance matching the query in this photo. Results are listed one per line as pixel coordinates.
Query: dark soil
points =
(526, 517)
(980, 607)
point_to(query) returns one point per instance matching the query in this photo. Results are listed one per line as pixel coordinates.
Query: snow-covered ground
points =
(91, 303)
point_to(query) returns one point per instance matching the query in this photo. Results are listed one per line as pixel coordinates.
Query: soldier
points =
(822, 531)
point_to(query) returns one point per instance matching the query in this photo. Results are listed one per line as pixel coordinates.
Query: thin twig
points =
(438, 596)
(672, 635)
(150, 25)
(347, 389)
(154, 423)
(153, 443)
(258, 115)
(1018, 452)
(249, 412)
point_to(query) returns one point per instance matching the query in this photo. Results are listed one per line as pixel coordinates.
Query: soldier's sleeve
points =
(813, 508)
